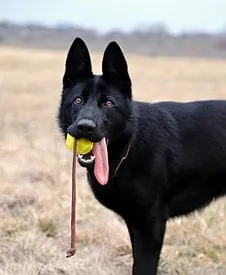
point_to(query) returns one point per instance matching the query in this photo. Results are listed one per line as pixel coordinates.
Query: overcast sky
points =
(103, 15)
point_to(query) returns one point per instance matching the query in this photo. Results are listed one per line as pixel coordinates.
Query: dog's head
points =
(95, 106)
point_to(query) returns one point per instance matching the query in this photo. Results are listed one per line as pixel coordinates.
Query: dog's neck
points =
(119, 150)
(123, 158)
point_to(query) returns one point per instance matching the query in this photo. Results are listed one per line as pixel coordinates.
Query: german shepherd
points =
(150, 161)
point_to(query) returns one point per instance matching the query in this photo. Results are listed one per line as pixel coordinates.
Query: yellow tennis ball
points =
(83, 147)
(70, 142)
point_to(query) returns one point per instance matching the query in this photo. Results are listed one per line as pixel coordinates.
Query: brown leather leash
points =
(71, 250)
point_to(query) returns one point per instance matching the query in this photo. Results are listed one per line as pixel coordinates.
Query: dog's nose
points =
(86, 126)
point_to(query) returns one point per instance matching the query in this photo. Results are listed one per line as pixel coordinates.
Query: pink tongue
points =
(101, 168)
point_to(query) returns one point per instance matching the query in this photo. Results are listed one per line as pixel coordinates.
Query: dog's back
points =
(190, 139)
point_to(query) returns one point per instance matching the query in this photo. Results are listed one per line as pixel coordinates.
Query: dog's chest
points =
(118, 195)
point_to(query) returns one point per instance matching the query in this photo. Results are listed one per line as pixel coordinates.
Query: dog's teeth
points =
(86, 160)
(80, 156)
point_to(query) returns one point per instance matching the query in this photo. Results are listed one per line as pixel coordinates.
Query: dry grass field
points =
(35, 174)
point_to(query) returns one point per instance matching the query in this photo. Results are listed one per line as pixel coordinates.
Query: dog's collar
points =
(121, 160)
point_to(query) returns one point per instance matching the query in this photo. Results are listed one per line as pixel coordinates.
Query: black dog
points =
(150, 162)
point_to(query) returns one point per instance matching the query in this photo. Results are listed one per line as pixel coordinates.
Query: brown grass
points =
(35, 174)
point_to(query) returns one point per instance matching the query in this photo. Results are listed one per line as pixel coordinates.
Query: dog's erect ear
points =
(114, 65)
(78, 62)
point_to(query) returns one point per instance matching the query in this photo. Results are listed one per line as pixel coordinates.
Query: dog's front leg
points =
(147, 244)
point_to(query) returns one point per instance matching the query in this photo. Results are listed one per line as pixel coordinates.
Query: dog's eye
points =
(108, 103)
(77, 100)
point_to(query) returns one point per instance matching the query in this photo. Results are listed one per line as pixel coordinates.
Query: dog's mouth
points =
(98, 159)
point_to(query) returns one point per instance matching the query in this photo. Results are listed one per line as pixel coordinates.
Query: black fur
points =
(177, 160)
